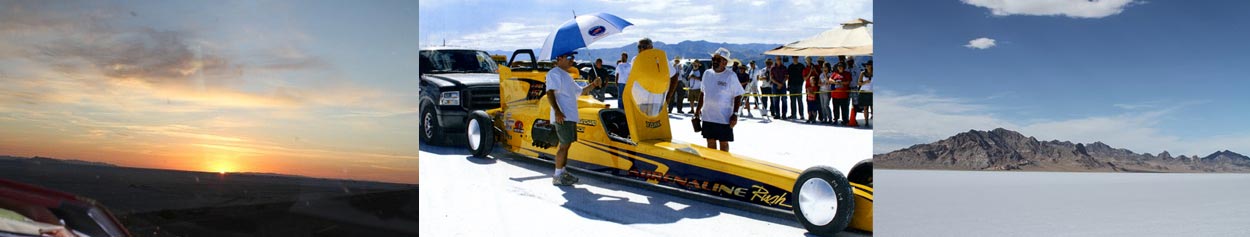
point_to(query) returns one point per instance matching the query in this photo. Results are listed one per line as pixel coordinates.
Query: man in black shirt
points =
(598, 73)
(743, 79)
(777, 75)
(795, 84)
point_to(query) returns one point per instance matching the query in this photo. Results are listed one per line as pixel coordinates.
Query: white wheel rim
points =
(475, 134)
(818, 202)
(429, 126)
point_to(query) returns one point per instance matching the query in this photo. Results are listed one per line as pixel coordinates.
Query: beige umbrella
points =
(851, 39)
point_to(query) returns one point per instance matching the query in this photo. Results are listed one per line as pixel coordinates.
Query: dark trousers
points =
(811, 110)
(796, 101)
(840, 109)
(781, 103)
(620, 100)
(678, 95)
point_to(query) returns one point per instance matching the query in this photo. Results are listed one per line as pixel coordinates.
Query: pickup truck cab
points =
(454, 81)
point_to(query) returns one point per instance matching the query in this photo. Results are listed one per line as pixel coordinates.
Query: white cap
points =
(721, 52)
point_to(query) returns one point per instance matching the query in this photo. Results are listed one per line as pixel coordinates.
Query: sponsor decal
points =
(518, 127)
(587, 122)
(760, 193)
(707, 186)
(536, 90)
(653, 124)
(755, 194)
(596, 30)
(581, 129)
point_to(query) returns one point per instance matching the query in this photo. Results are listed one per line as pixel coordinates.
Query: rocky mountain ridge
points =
(1002, 149)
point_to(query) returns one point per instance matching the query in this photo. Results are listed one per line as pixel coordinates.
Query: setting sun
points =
(222, 166)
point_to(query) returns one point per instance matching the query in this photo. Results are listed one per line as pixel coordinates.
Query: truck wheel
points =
(480, 133)
(822, 200)
(861, 173)
(431, 133)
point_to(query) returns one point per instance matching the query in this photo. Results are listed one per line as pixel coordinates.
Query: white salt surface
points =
(972, 203)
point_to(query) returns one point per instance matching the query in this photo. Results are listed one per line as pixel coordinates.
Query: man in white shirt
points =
(722, 95)
(753, 87)
(622, 74)
(562, 93)
(696, 83)
(676, 87)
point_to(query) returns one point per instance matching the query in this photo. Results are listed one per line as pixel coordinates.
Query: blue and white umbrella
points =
(580, 32)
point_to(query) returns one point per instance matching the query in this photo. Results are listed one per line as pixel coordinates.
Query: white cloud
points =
(1068, 8)
(903, 120)
(980, 43)
(507, 35)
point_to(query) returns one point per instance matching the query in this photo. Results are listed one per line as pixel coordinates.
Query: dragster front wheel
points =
(480, 133)
(823, 201)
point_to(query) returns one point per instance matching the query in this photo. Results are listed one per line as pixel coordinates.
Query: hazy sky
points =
(1144, 75)
(510, 25)
(315, 88)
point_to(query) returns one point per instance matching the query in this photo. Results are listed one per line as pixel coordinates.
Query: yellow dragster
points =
(635, 142)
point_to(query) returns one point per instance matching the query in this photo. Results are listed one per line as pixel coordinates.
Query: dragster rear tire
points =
(822, 201)
(861, 173)
(480, 134)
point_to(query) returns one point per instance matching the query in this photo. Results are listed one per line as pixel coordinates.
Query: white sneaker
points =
(564, 179)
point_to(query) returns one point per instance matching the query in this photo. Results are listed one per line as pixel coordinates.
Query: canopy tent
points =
(851, 39)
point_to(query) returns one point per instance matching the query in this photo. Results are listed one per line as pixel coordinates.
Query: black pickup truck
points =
(454, 81)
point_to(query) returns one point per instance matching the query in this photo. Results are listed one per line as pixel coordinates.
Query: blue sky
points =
(509, 25)
(1147, 76)
(315, 88)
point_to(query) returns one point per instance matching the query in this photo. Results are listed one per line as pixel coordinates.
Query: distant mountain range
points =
(39, 160)
(46, 160)
(1002, 149)
(685, 49)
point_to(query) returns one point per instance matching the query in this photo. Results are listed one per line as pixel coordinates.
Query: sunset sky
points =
(313, 88)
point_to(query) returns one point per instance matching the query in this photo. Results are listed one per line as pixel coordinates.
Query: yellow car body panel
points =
(863, 207)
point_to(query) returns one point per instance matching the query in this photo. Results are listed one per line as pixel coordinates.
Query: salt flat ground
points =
(507, 196)
(977, 203)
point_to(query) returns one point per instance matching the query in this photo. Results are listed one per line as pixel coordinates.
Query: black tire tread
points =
(488, 134)
(841, 187)
(436, 138)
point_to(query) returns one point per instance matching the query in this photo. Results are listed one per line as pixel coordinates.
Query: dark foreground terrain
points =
(153, 202)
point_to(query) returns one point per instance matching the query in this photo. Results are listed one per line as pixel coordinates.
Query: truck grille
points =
(480, 97)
